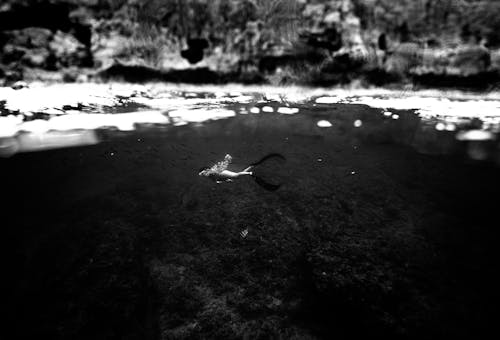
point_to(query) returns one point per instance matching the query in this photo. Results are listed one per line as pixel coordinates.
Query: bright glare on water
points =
(44, 117)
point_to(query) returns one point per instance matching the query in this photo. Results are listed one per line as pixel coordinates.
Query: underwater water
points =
(384, 224)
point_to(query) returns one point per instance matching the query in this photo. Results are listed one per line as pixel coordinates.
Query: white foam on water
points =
(327, 100)
(243, 99)
(121, 121)
(35, 126)
(475, 135)
(199, 115)
(449, 108)
(39, 98)
(288, 110)
(51, 112)
(435, 106)
(9, 125)
(274, 97)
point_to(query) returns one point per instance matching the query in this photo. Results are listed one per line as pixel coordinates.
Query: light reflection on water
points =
(47, 117)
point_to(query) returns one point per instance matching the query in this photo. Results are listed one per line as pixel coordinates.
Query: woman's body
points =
(219, 172)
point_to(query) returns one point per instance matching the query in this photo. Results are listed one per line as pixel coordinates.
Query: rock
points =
(14, 74)
(12, 53)
(434, 60)
(38, 47)
(194, 53)
(19, 85)
(36, 37)
(335, 27)
(351, 37)
(67, 50)
(17, 38)
(329, 39)
(312, 11)
(29, 45)
(74, 74)
(471, 59)
(36, 57)
(495, 59)
(70, 76)
(403, 57)
(333, 18)
(83, 78)
(382, 42)
(347, 37)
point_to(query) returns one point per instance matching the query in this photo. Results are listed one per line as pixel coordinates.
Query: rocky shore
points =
(330, 42)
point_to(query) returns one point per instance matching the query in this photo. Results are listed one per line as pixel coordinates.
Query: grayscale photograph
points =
(250, 169)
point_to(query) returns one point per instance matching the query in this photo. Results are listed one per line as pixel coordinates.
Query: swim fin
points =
(265, 158)
(266, 185)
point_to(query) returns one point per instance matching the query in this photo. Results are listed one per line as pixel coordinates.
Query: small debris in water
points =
(440, 126)
(320, 159)
(358, 123)
(450, 127)
(112, 153)
(353, 172)
(324, 124)
(244, 233)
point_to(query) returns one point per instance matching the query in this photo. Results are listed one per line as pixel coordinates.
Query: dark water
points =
(386, 229)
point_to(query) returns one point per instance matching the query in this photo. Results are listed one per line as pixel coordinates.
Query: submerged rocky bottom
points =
(366, 237)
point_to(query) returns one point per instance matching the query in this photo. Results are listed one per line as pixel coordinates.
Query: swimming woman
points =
(219, 172)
